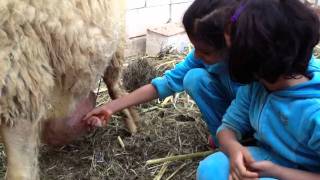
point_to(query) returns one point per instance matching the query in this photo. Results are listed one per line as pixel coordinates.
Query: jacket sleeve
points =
(236, 117)
(314, 133)
(172, 80)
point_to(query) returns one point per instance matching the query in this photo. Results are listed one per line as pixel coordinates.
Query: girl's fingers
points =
(97, 123)
(240, 168)
(237, 172)
(104, 123)
(89, 121)
(248, 157)
(243, 172)
(95, 112)
(89, 115)
(234, 176)
(94, 121)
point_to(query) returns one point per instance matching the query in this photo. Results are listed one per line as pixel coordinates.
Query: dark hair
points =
(271, 38)
(204, 21)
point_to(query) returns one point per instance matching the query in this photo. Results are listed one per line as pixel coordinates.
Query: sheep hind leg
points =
(21, 148)
(111, 78)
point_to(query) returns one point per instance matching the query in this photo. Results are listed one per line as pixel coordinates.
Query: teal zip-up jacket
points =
(172, 80)
(286, 122)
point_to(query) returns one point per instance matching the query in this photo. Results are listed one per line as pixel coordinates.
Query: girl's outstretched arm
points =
(99, 116)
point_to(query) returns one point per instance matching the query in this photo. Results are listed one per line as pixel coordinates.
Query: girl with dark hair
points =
(202, 74)
(271, 48)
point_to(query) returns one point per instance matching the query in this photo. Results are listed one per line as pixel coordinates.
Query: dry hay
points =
(170, 127)
(140, 71)
(133, 78)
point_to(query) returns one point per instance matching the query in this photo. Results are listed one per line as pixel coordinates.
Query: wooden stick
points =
(180, 157)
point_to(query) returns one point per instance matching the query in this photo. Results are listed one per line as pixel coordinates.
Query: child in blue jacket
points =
(271, 47)
(202, 74)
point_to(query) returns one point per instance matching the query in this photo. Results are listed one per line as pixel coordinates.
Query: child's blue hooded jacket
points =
(286, 122)
(172, 81)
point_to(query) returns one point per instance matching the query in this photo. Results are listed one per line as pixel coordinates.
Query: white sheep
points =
(52, 52)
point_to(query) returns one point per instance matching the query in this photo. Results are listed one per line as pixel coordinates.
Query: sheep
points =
(52, 52)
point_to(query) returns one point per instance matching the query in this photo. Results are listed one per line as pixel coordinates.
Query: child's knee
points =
(193, 79)
(215, 166)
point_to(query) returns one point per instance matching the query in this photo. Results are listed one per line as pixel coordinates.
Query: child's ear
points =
(227, 38)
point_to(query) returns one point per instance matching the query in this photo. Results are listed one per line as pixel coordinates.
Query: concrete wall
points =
(142, 14)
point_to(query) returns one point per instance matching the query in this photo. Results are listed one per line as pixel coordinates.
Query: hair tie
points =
(237, 13)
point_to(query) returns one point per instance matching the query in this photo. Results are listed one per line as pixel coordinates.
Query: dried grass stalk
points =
(180, 157)
(162, 171)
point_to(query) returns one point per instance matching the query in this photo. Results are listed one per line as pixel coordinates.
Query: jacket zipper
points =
(266, 100)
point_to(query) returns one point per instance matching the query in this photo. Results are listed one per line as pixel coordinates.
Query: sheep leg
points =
(111, 78)
(21, 147)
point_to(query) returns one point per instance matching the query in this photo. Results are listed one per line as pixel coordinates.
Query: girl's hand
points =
(98, 117)
(240, 158)
(265, 168)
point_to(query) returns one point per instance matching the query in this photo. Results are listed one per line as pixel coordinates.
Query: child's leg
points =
(216, 166)
(210, 95)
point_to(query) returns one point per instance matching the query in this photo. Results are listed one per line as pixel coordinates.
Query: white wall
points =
(142, 14)
(316, 2)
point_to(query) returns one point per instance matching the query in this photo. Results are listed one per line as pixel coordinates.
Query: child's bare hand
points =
(239, 160)
(265, 168)
(94, 121)
(98, 117)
